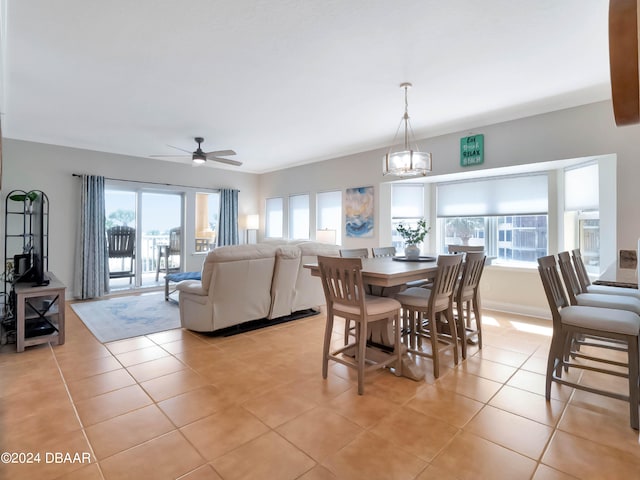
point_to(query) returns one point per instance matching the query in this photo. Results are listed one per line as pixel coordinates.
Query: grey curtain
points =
(91, 276)
(228, 218)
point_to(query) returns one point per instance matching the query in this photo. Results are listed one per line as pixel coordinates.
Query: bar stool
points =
(614, 329)
(422, 310)
(346, 297)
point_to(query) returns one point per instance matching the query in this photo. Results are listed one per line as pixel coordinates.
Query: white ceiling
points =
(286, 82)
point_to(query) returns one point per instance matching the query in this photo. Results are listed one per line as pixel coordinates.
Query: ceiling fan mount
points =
(199, 156)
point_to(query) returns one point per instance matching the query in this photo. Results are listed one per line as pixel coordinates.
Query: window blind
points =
(274, 217)
(581, 190)
(517, 195)
(407, 200)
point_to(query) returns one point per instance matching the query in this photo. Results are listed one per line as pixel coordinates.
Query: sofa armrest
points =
(193, 287)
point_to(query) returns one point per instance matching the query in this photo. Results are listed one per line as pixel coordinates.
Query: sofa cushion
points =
(285, 273)
(233, 253)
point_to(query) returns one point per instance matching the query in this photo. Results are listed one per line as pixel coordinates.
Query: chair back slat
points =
(354, 253)
(121, 241)
(553, 288)
(570, 278)
(581, 269)
(445, 282)
(383, 252)
(342, 281)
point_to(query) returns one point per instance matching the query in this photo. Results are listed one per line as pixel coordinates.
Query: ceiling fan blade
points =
(225, 160)
(170, 156)
(220, 153)
(178, 148)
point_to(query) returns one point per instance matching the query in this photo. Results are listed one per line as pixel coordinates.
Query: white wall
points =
(29, 166)
(572, 133)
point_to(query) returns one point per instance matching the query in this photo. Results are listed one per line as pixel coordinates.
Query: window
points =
(329, 213)
(507, 215)
(207, 213)
(407, 206)
(581, 213)
(274, 210)
(299, 217)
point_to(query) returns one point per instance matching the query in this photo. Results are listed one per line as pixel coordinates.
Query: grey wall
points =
(29, 166)
(578, 132)
(572, 133)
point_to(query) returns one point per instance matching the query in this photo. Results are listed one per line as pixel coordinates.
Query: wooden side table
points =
(39, 313)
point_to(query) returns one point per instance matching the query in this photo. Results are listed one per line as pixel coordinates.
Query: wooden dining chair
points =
(467, 300)
(577, 297)
(618, 328)
(383, 252)
(465, 248)
(423, 308)
(346, 297)
(588, 287)
(354, 253)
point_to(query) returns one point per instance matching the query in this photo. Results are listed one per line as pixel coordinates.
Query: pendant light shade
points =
(408, 162)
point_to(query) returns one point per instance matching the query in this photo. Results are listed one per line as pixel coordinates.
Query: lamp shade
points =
(407, 163)
(253, 222)
(326, 236)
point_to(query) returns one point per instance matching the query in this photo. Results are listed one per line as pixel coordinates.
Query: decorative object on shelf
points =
(359, 212)
(409, 162)
(20, 197)
(413, 237)
(463, 228)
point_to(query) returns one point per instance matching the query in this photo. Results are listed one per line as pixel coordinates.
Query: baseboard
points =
(528, 311)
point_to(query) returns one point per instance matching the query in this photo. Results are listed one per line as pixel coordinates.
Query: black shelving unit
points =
(18, 239)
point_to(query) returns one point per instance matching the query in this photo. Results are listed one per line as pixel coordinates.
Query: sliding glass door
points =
(153, 215)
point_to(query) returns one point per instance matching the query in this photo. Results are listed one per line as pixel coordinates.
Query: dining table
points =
(392, 272)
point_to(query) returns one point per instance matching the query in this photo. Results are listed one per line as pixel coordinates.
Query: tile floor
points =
(254, 406)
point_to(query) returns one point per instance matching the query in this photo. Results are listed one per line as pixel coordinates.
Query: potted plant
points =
(413, 237)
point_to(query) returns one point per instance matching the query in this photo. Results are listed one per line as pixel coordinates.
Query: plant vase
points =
(412, 252)
(464, 239)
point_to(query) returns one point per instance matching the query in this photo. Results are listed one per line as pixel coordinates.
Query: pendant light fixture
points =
(408, 162)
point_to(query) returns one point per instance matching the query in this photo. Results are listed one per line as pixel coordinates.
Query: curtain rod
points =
(150, 183)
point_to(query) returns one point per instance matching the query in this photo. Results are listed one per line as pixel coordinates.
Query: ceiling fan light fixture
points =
(408, 162)
(199, 158)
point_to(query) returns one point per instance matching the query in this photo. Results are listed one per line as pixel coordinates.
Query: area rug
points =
(126, 317)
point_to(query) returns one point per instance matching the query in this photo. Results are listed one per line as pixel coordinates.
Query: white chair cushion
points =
(605, 319)
(374, 305)
(414, 297)
(610, 290)
(609, 301)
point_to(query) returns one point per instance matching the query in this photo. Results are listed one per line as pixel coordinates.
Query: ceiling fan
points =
(199, 156)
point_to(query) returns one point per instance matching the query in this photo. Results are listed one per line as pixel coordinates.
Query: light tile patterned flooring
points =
(254, 406)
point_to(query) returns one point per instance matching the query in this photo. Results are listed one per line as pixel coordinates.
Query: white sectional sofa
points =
(241, 283)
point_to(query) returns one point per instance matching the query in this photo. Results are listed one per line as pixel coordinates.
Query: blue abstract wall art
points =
(359, 212)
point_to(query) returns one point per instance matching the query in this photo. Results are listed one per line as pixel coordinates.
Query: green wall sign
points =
(472, 150)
